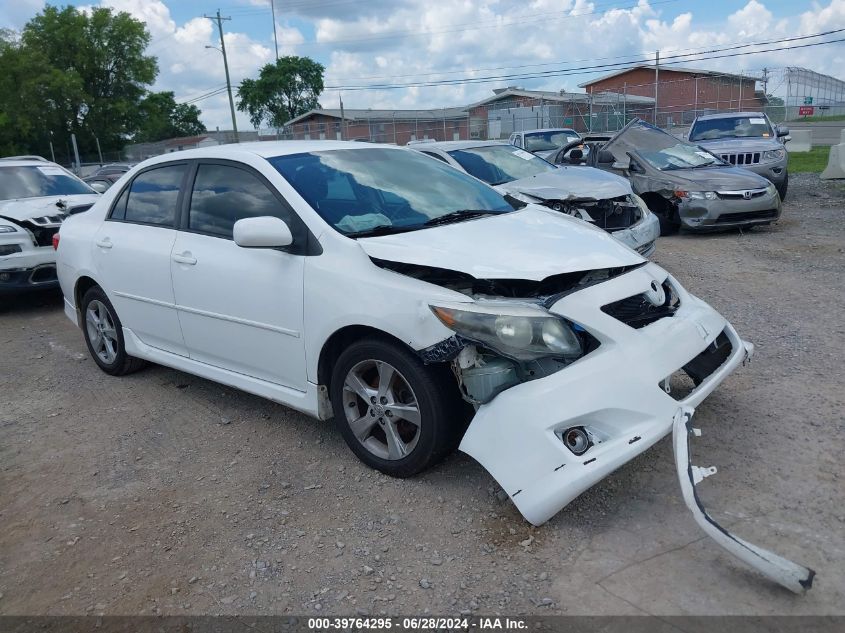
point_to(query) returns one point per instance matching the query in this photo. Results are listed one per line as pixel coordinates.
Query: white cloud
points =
(358, 43)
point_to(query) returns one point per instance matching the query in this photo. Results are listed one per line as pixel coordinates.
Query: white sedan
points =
(408, 300)
(414, 304)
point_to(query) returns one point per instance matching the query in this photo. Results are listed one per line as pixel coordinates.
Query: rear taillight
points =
(56, 242)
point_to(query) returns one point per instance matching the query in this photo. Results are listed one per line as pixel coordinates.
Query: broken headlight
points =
(519, 331)
(696, 195)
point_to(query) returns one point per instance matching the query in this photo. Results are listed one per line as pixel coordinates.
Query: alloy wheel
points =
(101, 331)
(381, 409)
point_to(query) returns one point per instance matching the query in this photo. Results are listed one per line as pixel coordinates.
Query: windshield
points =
(358, 190)
(498, 164)
(731, 127)
(33, 181)
(550, 139)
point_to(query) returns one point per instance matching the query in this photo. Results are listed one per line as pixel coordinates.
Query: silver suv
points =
(746, 139)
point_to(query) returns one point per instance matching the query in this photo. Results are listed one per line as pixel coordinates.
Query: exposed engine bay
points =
(611, 214)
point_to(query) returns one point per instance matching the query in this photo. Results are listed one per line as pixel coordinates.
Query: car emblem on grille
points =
(746, 195)
(655, 295)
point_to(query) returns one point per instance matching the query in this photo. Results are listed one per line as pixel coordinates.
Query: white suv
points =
(35, 197)
(411, 302)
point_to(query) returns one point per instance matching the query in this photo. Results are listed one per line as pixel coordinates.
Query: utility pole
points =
(342, 119)
(219, 21)
(275, 37)
(656, 81)
(99, 152)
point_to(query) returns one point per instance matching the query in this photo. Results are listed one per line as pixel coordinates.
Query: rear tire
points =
(103, 333)
(397, 415)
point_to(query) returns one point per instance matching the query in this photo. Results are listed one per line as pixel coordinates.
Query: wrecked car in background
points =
(544, 143)
(602, 199)
(417, 306)
(746, 139)
(683, 184)
(35, 197)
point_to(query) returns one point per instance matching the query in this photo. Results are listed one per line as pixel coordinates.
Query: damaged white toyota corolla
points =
(417, 306)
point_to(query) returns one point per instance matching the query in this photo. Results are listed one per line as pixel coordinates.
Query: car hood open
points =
(532, 243)
(27, 208)
(570, 183)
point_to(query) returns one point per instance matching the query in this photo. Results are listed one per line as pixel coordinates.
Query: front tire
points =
(783, 187)
(104, 335)
(397, 415)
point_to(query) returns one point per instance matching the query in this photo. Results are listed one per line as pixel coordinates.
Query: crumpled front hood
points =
(532, 243)
(570, 183)
(733, 145)
(715, 179)
(26, 208)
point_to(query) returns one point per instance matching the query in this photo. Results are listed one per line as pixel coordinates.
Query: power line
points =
(476, 25)
(595, 68)
(696, 50)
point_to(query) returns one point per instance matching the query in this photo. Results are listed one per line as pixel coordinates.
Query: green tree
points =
(74, 72)
(161, 117)
(285, 89)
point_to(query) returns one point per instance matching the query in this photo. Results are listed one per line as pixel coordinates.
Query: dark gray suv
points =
(746, 139)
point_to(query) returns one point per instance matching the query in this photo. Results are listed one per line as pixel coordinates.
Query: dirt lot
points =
(164, 493)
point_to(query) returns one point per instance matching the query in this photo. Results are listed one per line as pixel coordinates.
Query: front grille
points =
(767, 214)
(43, 234)
(682, 382)
(637, 311)
(740, 195)
(47, 220)
(743, 158)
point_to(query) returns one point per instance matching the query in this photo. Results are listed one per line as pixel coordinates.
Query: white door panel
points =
(241, 308)
(133, 264)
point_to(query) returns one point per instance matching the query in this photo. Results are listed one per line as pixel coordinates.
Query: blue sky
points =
(392, 41)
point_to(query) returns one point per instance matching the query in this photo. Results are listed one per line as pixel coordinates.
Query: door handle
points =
(185, 258)
(104, 243)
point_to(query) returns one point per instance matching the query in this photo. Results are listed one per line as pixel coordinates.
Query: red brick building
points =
(380, 126)
(683, 93)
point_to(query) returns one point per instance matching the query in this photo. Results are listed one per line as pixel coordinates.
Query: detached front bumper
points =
(727, 212)
(615, 393)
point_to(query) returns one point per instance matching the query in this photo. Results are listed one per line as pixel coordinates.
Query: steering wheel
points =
(560, 157)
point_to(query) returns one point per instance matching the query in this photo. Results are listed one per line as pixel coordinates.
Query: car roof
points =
(26, 162)
(447, 146)
(266, 149)
(548, 129)
(729, 115)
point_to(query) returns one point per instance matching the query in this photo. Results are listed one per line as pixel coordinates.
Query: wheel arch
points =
(83, 284)
(342, 338)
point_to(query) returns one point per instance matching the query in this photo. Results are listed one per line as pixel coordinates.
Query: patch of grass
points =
(813, 161)
(819, 117)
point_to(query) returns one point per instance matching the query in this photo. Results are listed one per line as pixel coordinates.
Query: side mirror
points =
(576, 155)
(619, 166)
(782, 130)
(262, 232)
(98, 186)
(606, 156)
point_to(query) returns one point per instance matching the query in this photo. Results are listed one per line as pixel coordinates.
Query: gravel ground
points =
(162, 493)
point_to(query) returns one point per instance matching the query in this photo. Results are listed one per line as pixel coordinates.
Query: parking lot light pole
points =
(222, 49)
